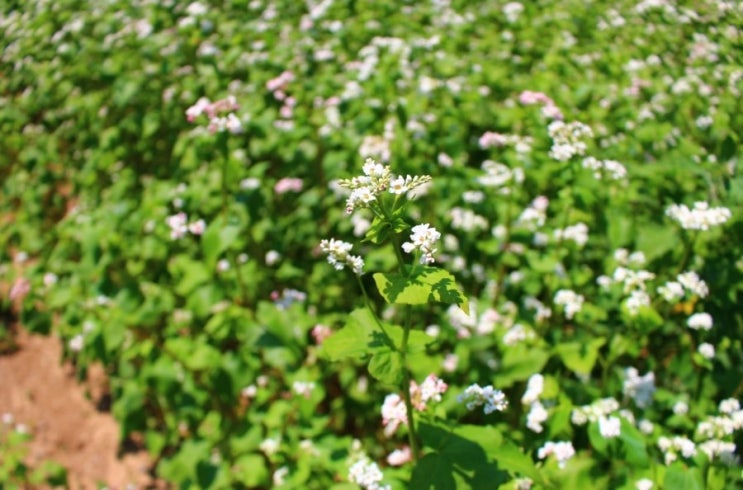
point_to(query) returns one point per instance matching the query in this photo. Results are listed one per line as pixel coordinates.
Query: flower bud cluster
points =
(377, 179)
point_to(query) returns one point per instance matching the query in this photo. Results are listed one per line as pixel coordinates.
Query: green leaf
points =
(356, 339)
(681, 477)
(422, 286)
(580, 357)
(633, 447)
(518, 363)
(216, 239)
(387, 367)
(250, 470)
(433, 472)
(512, 459)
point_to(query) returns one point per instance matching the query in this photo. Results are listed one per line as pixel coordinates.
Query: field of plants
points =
(385, 244)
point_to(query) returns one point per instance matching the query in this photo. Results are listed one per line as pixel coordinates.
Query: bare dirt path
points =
(42, 393)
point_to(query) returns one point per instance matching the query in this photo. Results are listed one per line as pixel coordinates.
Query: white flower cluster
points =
(639, 388)
(475, 396)
(179, 226)
(339, 256)
(577, 233)
(467, 220)
(217, 122)
(562, 451)
(687, 281)
(671, 447)
(600, 411)
(367, 475)
(568, 139)
(465, 324)
(377, 179)
(498, 175)
(595, 411)
(394, 412)
(730, 420)
(605, 168)
(423, 238)
(535, 214)
(701, 217)
(522, 144)
(537, 413)
(700, 321)
(570, 301)
(518, 333)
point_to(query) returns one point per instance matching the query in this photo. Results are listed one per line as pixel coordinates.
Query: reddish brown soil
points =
(60, 413)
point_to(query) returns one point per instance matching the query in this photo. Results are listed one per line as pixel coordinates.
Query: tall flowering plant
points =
(388, 346)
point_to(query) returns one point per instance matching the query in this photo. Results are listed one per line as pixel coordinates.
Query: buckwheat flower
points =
(444, 160)
(288, 184)
(177, 224)
(691, 281)
(568, 139)
(534, 388)
(320, 332)
(399, 457)
(523, 483)
(570, 301)
(423, 239)
(279, 476)
(536, 416)
(717, 448)
(197, 227)
(646, 426)
(50, 279)
(303, 388)
(609, 427)
(394, 413)
(339, 256)
(272, 257)
(270, 446)
(672, 446)
(467, 220)
(431, 389)
(639, 388)
(706, 350)
(367, 475)
(77, 343)
(475, 396)
(680, 408)
(577, 233)
(671, 291)
(637, 300)
(21, 287)
(644, 484)
(699, 321)
(562, 451)
(701, 217)
(490, 139)
(516, 334)
(729, 406)
(450, 363)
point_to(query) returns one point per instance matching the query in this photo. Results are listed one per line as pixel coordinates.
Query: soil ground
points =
(41, 392)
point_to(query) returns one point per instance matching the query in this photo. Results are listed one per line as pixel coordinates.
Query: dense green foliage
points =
(213, 339)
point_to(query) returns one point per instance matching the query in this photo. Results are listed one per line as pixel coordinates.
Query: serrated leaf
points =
(422, 286)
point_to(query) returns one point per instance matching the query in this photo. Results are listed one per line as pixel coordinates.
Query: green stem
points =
(412, 433)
